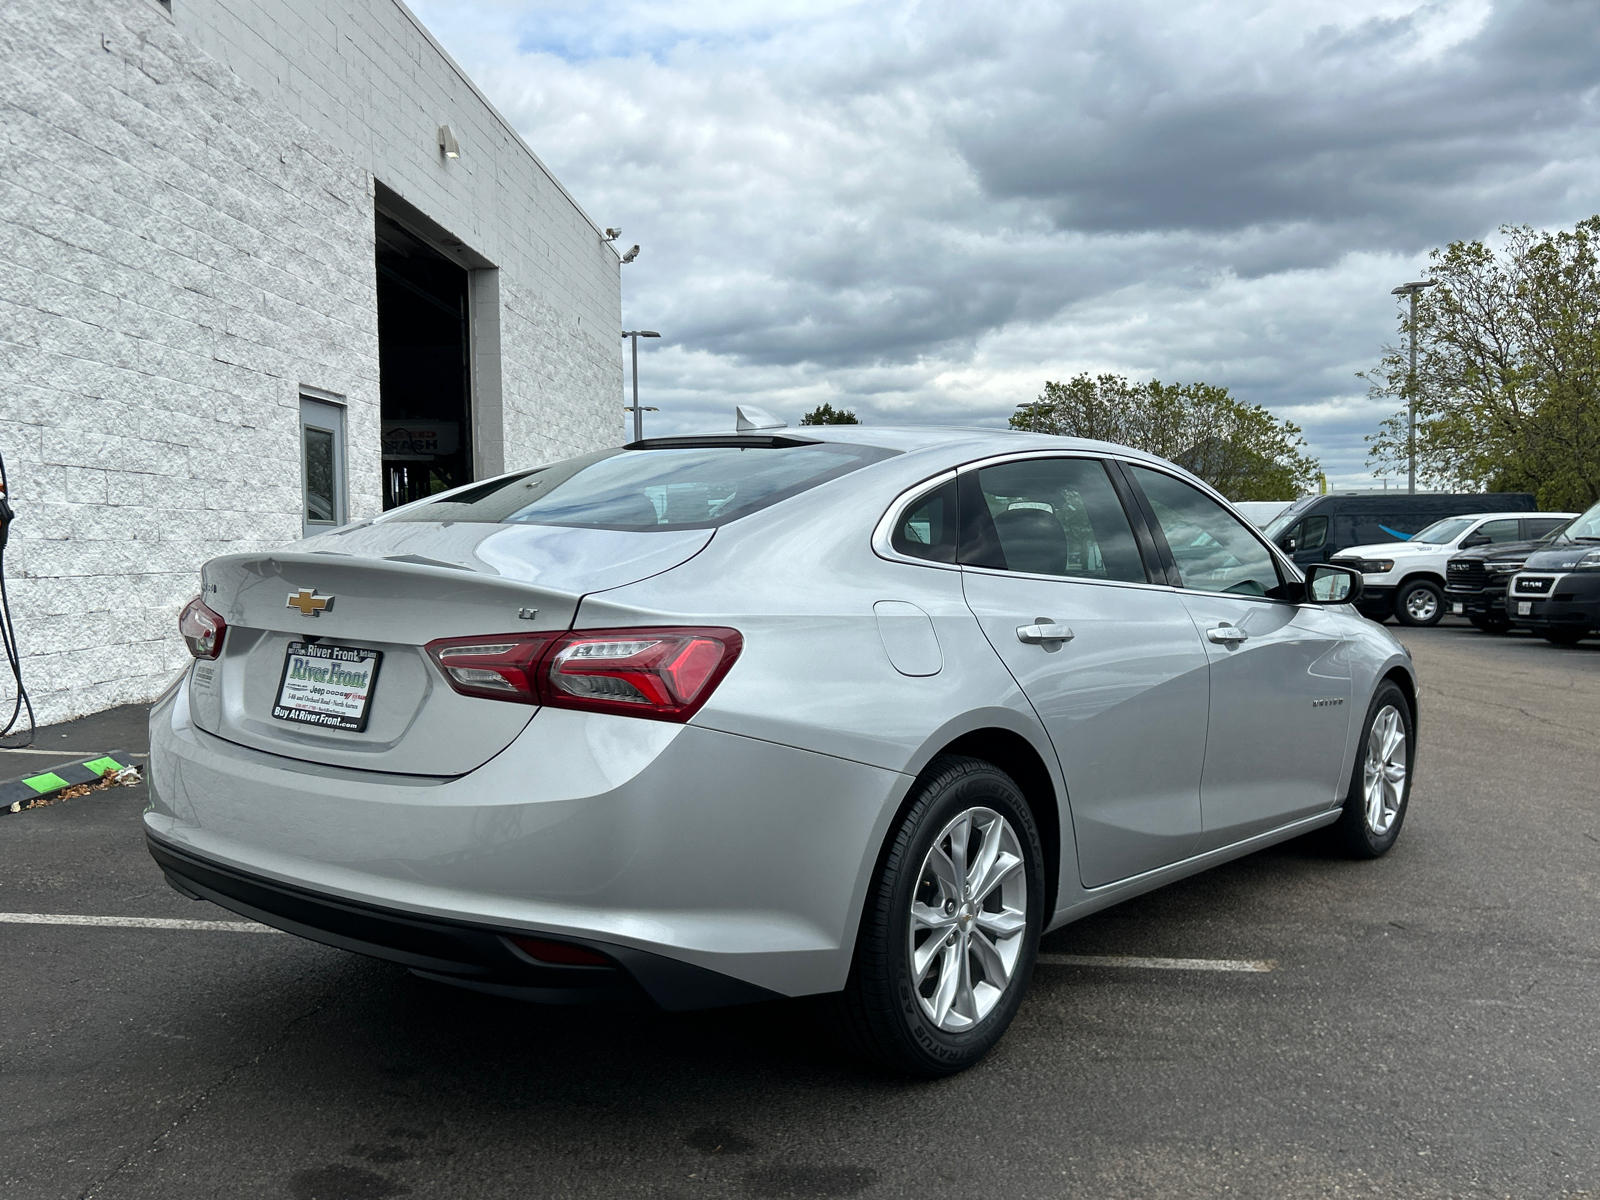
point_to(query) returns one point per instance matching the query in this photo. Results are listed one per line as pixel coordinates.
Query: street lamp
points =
(1407, 289)
(638, 413)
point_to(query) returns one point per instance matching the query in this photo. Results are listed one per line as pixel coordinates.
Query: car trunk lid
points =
(378, 593)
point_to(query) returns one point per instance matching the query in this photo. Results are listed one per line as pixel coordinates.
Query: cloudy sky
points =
(922, 211)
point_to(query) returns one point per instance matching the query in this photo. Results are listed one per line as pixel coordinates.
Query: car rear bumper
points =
(655, 844)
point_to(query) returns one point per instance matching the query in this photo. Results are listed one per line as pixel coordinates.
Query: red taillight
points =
(496, 668)
(665, 674)
(202, 629)
(563, 953)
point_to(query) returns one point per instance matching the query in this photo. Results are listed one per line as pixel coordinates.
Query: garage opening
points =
(424, 366)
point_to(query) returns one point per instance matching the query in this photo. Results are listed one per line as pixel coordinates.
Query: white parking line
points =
(1137, 962)
(134, 922)
(1157, 964)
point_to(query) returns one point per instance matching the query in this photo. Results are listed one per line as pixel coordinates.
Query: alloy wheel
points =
(1384, 774)
(969, 913)
(1421, 605)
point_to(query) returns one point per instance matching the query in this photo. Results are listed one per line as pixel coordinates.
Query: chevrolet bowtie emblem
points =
(309, 603)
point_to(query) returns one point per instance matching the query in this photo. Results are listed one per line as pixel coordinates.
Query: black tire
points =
(1353, 834)
(881, 1011)
(1565, 637)
(1491, 625)
(1419, 604)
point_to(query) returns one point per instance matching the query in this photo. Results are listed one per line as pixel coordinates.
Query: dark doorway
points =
(424, 365)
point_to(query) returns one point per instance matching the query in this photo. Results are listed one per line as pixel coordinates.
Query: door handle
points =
(1043, 630)
(1226, 634)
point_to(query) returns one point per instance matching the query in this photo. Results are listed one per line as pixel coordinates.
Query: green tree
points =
(1240, 449)
(826, 414)
(1508, 369)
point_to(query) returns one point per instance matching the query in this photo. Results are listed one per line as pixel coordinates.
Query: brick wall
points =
(179, 253)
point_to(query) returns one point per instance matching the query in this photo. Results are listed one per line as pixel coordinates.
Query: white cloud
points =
(924, 210)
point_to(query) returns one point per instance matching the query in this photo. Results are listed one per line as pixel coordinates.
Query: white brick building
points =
(232, 251)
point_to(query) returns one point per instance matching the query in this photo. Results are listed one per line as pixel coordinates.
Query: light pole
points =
(1406, 289)
(638, 413)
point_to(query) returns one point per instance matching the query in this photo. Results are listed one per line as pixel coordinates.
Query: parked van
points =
(1315, 528)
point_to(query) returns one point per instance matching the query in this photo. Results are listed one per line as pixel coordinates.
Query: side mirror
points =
(1477, 539)
(1328, 584)
(1290, 545)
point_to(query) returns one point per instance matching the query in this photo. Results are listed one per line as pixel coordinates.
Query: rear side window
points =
(1049, 516)
(1538, 527)
(668, 487)
(926, 529)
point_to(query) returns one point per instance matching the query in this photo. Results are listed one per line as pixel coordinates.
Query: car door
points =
(1280, 671)
(1111, 663)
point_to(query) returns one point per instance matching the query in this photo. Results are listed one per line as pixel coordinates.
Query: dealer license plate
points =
(1458, 609)
(327, 686)
(1524, 608)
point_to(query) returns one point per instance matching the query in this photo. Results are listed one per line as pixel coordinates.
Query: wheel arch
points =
(1426, 575)
(1407, 684)
(1017, 757)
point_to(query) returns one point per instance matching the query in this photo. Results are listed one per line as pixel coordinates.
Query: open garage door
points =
(424, 364)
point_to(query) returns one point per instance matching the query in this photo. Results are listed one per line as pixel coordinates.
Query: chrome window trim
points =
(883, 532)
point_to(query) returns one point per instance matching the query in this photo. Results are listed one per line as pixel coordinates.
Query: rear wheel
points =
(951, 924)
(1419, 603)
(1564, 637)
(1380, 784)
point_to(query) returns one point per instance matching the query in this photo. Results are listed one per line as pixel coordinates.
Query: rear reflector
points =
(665, 674)
(561, 953)
(202, 629)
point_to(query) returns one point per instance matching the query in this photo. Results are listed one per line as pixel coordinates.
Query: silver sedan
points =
(707, 720)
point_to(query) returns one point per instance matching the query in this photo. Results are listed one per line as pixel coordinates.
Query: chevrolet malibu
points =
(708, 720)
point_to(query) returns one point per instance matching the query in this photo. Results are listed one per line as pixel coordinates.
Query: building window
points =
(322, 465)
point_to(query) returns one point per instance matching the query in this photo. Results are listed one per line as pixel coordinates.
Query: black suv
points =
(1557, 592)
(1475, 580)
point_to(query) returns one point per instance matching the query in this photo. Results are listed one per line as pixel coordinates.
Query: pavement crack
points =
(204, 1095)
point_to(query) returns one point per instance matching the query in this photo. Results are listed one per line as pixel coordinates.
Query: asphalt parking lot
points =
(1429, 1028)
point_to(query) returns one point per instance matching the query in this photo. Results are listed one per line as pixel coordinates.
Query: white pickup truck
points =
(1405, 579)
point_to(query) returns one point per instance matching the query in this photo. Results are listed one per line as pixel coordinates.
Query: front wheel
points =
(1380, 784)
(951, 925)
(1492, 624)
(1564, 637)
(1419, 604)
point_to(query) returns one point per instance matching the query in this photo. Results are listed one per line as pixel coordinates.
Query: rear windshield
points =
(669, 487)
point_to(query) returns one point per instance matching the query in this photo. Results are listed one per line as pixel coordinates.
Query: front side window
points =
(665, 487)
(1048, 516)
(1214, 552)
(1279, 525)
(1313, 533)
